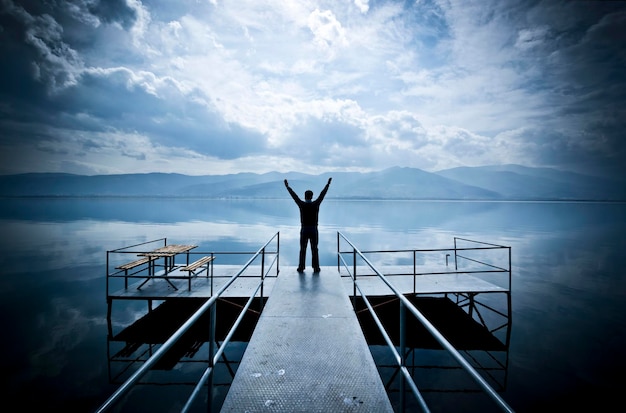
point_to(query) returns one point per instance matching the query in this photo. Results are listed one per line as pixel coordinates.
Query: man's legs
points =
(303, 241)
(314, 251)
(308, 234)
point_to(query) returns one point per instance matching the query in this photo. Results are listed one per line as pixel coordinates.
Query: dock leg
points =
(109, 310)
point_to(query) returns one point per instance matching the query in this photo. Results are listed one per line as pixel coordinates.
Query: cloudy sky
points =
(215, 87)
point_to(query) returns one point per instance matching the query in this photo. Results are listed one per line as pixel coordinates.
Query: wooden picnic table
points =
(168, 252)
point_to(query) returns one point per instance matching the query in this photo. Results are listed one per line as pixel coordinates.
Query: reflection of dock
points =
(158, 325)
(313, 341)
(426, 358)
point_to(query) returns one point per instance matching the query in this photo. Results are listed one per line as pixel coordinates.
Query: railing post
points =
(414, 271)
(109, 322)
(262, 278)
(212, 318)
(456, 267)
(509, 268)
(402, 354)
(354, 278)
(509, 325)
(212, 256)
(277, 253)
(338, 253)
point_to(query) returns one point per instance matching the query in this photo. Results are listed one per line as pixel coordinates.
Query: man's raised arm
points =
(291, 192)
(323, 193)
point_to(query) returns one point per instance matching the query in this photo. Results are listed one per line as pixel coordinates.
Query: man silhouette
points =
(309, 212)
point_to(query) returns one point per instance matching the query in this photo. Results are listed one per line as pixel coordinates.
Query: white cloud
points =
(363, 5)
(142, 23)
(328, 34)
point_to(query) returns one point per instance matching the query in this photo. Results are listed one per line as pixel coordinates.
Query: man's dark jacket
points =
(309, 210)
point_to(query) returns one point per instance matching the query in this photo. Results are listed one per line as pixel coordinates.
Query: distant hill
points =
(505, 182)
(520, 182)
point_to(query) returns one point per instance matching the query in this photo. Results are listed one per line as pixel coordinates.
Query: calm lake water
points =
(568, 336)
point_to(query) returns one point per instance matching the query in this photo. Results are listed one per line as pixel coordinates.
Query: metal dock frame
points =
(405, 304)
(214, 354)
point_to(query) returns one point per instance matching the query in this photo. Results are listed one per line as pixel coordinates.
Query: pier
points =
(307, 344)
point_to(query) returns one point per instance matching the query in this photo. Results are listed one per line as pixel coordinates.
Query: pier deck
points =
(308, 352)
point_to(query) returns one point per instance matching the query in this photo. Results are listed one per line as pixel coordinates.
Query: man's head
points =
(308, 195)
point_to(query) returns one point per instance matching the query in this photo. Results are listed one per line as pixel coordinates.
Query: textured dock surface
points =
(307, 353)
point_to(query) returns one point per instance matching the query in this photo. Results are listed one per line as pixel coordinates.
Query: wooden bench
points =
(191, 268)
(136, 263)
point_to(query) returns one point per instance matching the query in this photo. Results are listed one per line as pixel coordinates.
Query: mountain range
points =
(502, 182)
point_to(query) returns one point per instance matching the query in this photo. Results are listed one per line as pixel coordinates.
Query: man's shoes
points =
(300, 269)
(317, 270)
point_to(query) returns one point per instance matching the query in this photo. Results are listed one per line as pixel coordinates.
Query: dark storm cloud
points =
(597, 70)
(111, 11)
(170, 118)
(577, 48)
(107, 103)
(51, 61)
(44, 39)
(45, 82)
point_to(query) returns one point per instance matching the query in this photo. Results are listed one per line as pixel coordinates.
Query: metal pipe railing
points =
(131, 381)
(427, 324)
(140, 244)
(487, 267)
(213, 360)
(483, 243)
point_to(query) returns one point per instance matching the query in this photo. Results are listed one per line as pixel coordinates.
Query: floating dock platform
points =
(307, 346)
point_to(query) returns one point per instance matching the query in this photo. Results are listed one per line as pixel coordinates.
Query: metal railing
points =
(481, 266)
(149, 270)
(133, 251)
(487, 246)
(210, 306)
(405, 304)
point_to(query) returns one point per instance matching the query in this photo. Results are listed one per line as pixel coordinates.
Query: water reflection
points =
(129, 346)
(478, 326)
